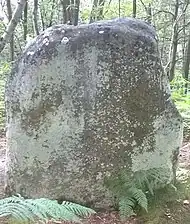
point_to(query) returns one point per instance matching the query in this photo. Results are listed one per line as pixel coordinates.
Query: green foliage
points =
(126, 207)
(85, 15)
(111, 9)
(167, 202)
(181, 96)
(4, 69)
(2, 27)
(22, 210)
(131, 189)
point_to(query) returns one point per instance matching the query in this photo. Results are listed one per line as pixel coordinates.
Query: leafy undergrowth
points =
(167, 207)
(181, 97)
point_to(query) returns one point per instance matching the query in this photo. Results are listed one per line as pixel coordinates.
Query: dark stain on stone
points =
(32, 120)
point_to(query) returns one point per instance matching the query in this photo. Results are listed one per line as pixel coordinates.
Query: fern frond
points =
(130, 188)
(13, 199)
(17, 208)
(38, 210)
(55, 210)
(151, 179)
(77, 209)
(139, 196)
(30, 210)
(140, 179)
(159, 174)
(126, 207)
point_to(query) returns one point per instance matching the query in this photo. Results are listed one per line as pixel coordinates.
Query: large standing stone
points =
(83, 102)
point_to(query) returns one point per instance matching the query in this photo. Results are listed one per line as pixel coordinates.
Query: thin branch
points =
(41, 14)
(134, 8)
(164, 11)
(25, 21)
(144, 5)
(108, 7)
(186, 25)
(9, 11)
(35, 17)
(12, 24)
(52, 14)
(183, 12)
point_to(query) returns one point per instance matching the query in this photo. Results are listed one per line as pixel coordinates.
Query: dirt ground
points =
(113, 217)
(184, 156)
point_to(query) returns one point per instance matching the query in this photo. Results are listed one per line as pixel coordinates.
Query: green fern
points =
(22, 210)
(77, 209)
(133, 197)
(151, 179)
(139, 196)
(130, 189)
(126, 206)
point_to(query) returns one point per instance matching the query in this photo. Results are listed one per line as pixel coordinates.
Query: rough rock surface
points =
(84, 102)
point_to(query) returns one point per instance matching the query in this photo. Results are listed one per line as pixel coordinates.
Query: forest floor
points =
(167, 210)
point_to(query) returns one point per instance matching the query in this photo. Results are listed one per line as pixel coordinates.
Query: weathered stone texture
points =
(84, 102)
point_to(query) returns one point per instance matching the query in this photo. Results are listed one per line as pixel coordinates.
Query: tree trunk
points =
(93, 11)
(76, 12)
(41, 15)
(186, 63)
(70, 12)
(174, 44)
(175, 38)
(100, 10)
(52, 13)
(171, 72)
(184, 39)
(66, 9)
(25, 22)
(35, 18)
(9, 11)
(134, 8)
(97, 10)
(119, 5)
(149, 13)
(6, 37)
